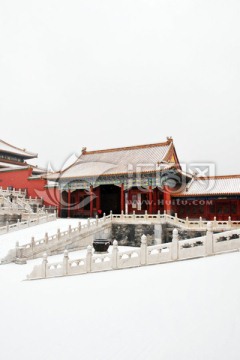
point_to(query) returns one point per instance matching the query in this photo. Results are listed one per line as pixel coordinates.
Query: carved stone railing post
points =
(88, 223)
(65, 262)
(104, 216)
(122, 215)
(79, 226)
(143, 250)
(58, 234)
(165, 215)
(89, 259)
(115, 255)
(111, 214)
(175, 239)
(175, 219)
(18, 253)
(209, 239)
(215, 222)
(44, 266)
(46, 238)
(69, 231)
(187, 221)
(32, 244)
(158, 234)
(146, 215)
(134, 215)
(230, 222)
(158, 215)
(7, 226)
(96, 220)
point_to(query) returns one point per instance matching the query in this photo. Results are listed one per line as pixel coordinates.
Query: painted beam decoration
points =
(171, 178)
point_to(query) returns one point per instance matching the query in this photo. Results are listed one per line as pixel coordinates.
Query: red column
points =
(59, 204)
(97, 194)
(69, 203)
(167, 200)
(205, 210)
(150, 197)
(126, 196)
(122, 198)
(91, 201)
(155, 201)
(238, 210)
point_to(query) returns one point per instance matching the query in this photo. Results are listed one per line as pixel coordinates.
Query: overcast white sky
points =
(105, 73)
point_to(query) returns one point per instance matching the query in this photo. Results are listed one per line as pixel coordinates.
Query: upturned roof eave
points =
(17, 151)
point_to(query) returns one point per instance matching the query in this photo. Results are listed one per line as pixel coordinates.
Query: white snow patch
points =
(8, 241)
(184, 310)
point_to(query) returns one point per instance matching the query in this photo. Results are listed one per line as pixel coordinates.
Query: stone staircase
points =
(72, 239)
(83, 235)
(16, 201)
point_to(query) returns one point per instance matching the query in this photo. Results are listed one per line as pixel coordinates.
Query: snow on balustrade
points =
(159, 253)
(101, 263)
(177, 250)
(83, 233)
(19, 225)
(191, 248)
(128, 259)
(54, 270)
(91, 263)
(14, 192)
(226, 241)
(175, 221)
(236, 223)
(77, 267)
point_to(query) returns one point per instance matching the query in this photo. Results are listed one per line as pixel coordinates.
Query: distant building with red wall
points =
(16, 172)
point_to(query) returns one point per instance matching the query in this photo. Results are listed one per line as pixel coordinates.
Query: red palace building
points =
(17, 173)
(143, 178)
(129, 179)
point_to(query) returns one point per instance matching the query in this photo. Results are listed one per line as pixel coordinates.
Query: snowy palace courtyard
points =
(182, 310)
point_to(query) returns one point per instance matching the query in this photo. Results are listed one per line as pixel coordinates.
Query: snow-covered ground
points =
(8, 241)
(186, 310)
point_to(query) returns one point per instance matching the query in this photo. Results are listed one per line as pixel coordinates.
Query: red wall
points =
(19, 179)
(207, 209)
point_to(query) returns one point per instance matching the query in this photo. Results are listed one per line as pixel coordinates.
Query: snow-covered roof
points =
(7, 148)
(7, 165)
(143, 158)
(52, 184)
(37, 169)
(13, 168)
(215, 185)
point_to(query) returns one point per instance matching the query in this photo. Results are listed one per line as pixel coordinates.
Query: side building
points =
(209, 197)
(17, 173)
